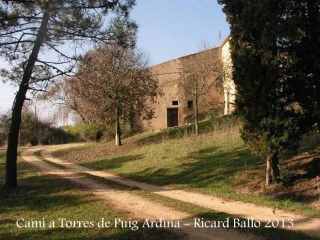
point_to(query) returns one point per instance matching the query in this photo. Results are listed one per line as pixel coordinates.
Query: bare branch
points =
(16, 42)
(58, 51)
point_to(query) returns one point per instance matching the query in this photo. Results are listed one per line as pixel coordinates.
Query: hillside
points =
(216, 162)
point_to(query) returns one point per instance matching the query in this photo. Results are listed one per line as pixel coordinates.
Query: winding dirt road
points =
(142, 208)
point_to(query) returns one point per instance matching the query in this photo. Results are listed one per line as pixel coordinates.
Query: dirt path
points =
(307, 225)
(137, 206)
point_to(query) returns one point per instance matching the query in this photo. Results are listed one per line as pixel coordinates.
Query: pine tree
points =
(30, 28)
(275, 52)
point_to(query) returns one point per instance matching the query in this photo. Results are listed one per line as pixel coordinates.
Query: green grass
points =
(41, 197)
(201, 212)
(38, 155)
(208, 214)
(215, 162)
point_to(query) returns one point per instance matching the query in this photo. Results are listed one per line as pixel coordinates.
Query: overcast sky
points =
(167, 29)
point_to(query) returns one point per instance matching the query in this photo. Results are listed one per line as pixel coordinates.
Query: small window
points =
(190, 103)
(175, 103)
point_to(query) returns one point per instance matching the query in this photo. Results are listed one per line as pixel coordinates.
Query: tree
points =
(30, 28)
(114, 85)
(275, 52)
(4, 127)
(60, 94)
(34, 130)
(201, 74)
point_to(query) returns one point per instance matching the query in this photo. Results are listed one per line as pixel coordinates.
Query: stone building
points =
(176, 107)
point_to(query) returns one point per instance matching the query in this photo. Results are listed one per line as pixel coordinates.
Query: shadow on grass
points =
(310, 169)
(276, 233)
(81, 234)
(147, 234)
(210, 166)
(51, 198)
(38, 193)
(112, 163)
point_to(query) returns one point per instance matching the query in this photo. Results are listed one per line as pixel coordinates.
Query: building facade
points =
(176, 106)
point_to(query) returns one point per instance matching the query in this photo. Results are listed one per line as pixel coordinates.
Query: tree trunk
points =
(196, 115)
(275, 167)
(268, 172)
(13, 137)
(118, 129)
(272, 170)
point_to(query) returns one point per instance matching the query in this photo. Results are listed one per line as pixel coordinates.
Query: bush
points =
(286, 176)
(58, 136)
(89, 132)
(34, 141)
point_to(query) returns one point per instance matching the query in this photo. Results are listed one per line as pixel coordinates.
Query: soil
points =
(300, 180)
(143, 208)
(136, 206)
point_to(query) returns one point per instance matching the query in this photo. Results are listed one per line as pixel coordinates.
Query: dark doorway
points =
(172, 117)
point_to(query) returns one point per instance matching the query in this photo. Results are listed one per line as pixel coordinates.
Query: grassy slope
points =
(39, 196)
(208, 214)
(215, 162)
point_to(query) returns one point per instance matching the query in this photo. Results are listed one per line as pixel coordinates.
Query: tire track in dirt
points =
(304, 224)
(138, 207)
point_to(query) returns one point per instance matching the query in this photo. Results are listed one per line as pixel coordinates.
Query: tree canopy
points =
(30, 28)
(202, 74)
(275, 51)
(113, 84)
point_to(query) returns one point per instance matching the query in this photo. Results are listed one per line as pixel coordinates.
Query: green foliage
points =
(29, 28)
(212, 162)
(4, 126)
(286, 176)
(275, 52)
(114, 86)
(35, 131)
(87, 132)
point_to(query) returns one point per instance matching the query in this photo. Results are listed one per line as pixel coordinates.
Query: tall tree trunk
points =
(268, 172)
(13, 137)
(275, 167)
(196, 116)
(118, 128)
(272, 169)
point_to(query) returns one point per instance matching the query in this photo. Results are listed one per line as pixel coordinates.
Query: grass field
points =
(208, 214)
(216, 162)
(41, 197)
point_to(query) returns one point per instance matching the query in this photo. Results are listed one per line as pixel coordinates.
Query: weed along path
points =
(142, 208)
(139, 208)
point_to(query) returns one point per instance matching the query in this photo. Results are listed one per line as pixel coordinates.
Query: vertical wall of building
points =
(175, 107)
(168, 76)
(228, 85)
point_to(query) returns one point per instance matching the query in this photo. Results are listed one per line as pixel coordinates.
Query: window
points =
(175, 103)
(190, 103)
